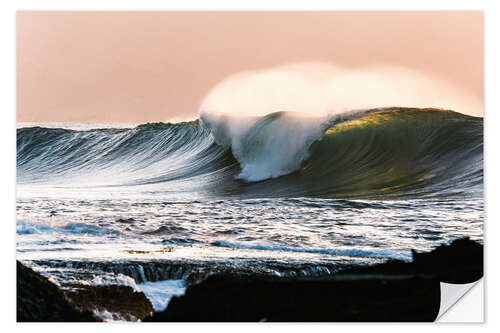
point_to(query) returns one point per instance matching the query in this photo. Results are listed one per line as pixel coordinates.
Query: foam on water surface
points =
(161, 292)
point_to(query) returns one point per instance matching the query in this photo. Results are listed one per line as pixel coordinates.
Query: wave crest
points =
(390, 152)
(267, 147)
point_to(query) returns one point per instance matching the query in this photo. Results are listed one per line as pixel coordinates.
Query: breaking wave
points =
(390, 152)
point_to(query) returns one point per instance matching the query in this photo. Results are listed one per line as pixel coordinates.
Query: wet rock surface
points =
(191, 271)
(120, 302)
(247, 298)
(39, 300)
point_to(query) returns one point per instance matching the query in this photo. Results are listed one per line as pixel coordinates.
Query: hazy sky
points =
(132, 67)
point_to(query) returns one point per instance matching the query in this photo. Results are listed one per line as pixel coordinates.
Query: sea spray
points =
(319, 89)
(269, 147)
(249, 112)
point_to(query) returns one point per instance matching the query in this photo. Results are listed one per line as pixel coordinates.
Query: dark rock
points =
(459, 262)
(39, 300)
(391, 291)
(251, 298)
(120, 300)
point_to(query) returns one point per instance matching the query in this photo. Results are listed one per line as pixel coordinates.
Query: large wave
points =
(389, 152)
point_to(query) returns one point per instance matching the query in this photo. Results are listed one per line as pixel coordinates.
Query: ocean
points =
(284, 194)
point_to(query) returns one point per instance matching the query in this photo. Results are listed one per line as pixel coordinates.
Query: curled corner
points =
(450, 294)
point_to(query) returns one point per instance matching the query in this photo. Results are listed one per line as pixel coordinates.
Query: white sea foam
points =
(269, 147)
(112, 279)
(111, 316)
(161, 292)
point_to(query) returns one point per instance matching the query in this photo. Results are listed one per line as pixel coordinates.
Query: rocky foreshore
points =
(39, 300)
(390, 291)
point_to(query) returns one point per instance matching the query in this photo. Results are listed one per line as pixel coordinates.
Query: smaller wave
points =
(24, 227)
(27, 228)
(54, 249)
(338, 252)
(180, 241)
(165, 230)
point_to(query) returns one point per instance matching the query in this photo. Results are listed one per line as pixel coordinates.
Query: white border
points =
(7, 140)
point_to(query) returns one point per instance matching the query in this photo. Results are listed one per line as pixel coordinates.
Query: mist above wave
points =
(318, 89)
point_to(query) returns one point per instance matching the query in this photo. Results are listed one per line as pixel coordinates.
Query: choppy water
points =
(279, 195)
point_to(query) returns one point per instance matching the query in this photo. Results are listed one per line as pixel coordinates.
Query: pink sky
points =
(135, 67)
